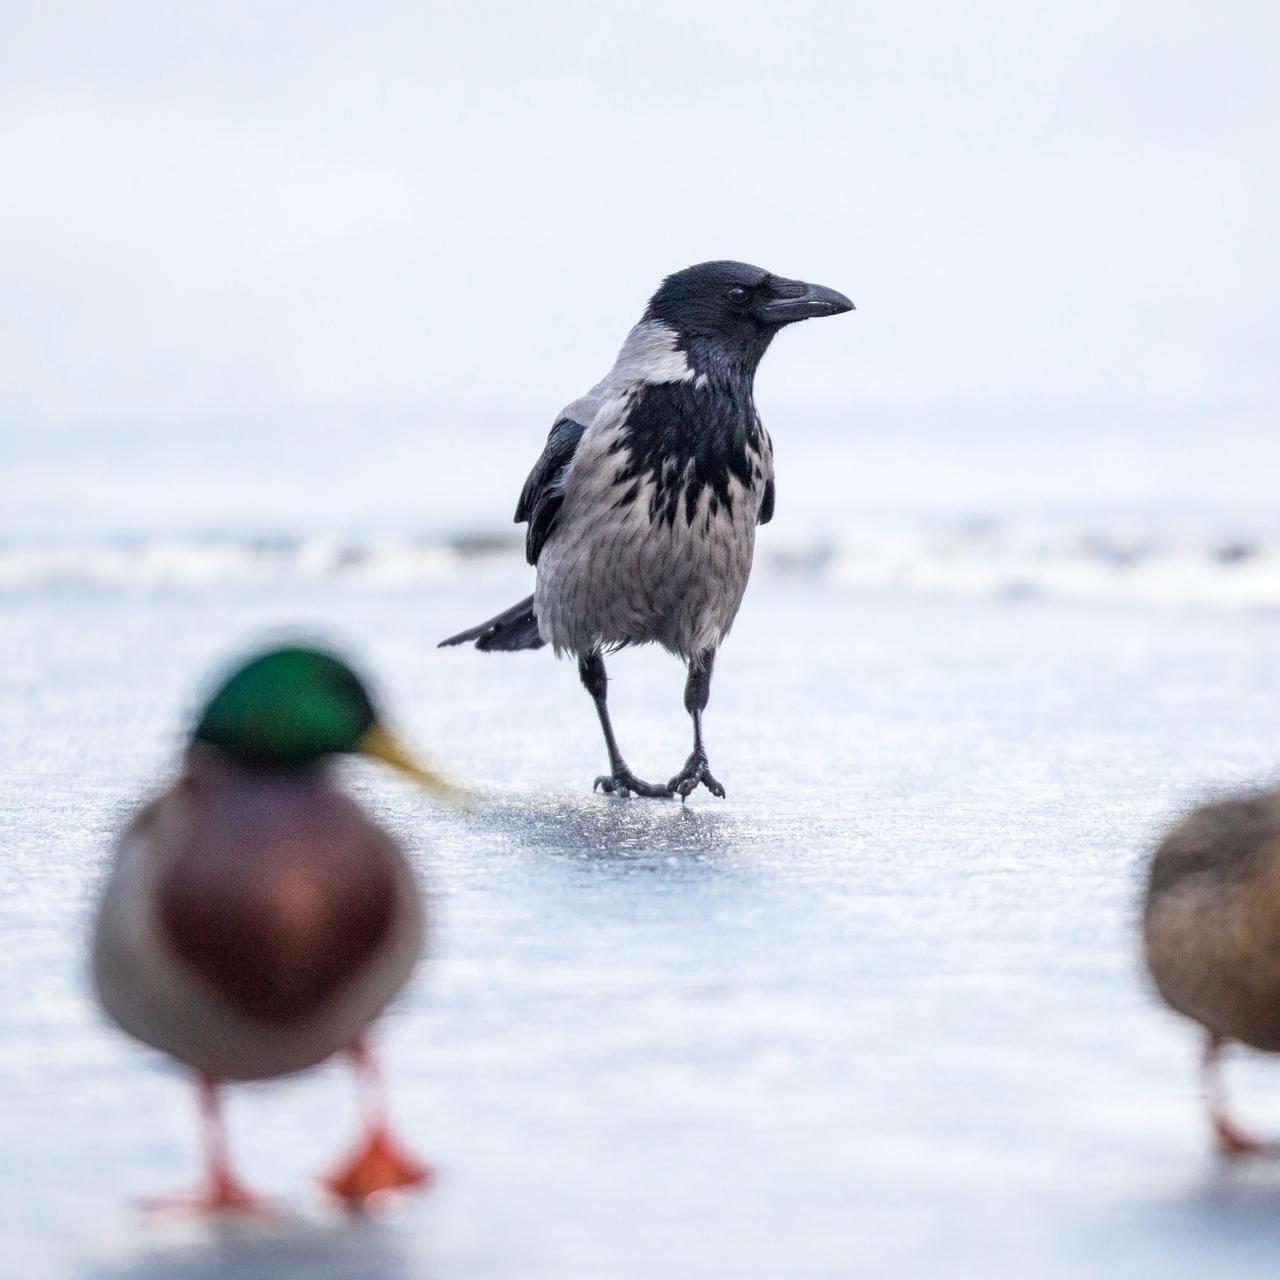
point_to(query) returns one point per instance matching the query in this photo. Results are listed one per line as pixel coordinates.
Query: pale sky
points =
(234, 215)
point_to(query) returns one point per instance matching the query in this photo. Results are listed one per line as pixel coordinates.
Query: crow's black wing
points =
(543, 491)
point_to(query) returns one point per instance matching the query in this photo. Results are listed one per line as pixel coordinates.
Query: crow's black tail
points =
(515, 628)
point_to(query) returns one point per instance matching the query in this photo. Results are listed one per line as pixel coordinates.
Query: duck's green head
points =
(293, 706)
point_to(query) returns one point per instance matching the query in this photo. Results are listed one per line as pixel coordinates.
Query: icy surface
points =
(879, 1013)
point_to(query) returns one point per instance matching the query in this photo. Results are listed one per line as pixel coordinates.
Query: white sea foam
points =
(196, 562)
(977, 559)
(1210, 572)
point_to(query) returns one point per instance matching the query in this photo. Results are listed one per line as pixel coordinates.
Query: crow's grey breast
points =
(656, 514)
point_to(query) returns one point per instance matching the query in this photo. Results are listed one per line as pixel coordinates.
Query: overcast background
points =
(289, 297)
(366, 240)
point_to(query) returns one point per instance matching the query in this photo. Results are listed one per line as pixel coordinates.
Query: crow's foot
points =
(622, 782)
(696, 770)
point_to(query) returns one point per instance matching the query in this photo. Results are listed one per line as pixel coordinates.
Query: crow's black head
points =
(731, 310)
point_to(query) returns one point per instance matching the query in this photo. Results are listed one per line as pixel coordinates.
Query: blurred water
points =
(877, 1013)
(1110, 506)
(441, 471)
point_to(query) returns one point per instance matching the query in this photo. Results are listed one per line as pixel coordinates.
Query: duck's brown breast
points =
(274, 889)
(1211, 919)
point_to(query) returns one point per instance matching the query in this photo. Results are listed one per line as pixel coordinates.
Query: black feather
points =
(766, 505)
(686, 438)
(514, 628)
(543, 492)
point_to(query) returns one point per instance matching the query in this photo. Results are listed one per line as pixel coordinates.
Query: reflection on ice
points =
(290, 1249)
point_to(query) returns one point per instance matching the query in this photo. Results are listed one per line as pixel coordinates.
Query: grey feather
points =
(610, 574)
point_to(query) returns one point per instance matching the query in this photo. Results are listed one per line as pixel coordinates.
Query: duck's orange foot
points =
(1233, 1142)
(222, 1195)
(381, 1164)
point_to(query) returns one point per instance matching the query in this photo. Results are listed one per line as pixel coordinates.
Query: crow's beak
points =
(799, 301)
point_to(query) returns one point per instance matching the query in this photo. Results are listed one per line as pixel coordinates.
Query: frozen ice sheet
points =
(879, 1013)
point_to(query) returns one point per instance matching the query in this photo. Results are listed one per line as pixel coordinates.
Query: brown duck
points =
(256, 920)
(1211, 934)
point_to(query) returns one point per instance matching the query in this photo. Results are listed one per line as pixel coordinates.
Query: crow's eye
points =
(737, 295)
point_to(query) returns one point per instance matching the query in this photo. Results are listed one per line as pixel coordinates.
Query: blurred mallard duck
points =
(256, 919)
(1211, 934)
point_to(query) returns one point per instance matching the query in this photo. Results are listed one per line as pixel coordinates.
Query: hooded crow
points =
(643, 508)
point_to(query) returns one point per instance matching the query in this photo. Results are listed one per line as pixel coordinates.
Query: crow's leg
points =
(619, 780)
(697, 691)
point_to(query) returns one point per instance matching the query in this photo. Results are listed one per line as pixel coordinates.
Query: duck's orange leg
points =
(222, 1192)
(1231, 1141)
(380, 1164)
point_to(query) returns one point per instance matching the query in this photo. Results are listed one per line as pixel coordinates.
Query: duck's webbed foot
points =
(696, 771)
(222, 1191)
(381, 1164)
(222, 1195)
(1233, 1142)
(622, 782)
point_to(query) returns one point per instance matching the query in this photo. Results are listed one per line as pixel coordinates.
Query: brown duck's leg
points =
(1231, 1141)
(380, 1164)
(222, 1192)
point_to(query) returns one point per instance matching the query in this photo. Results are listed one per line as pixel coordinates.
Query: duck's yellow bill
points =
(383, 746)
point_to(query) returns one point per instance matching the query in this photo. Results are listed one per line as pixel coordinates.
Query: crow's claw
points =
(622, 782)
(696, 771)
